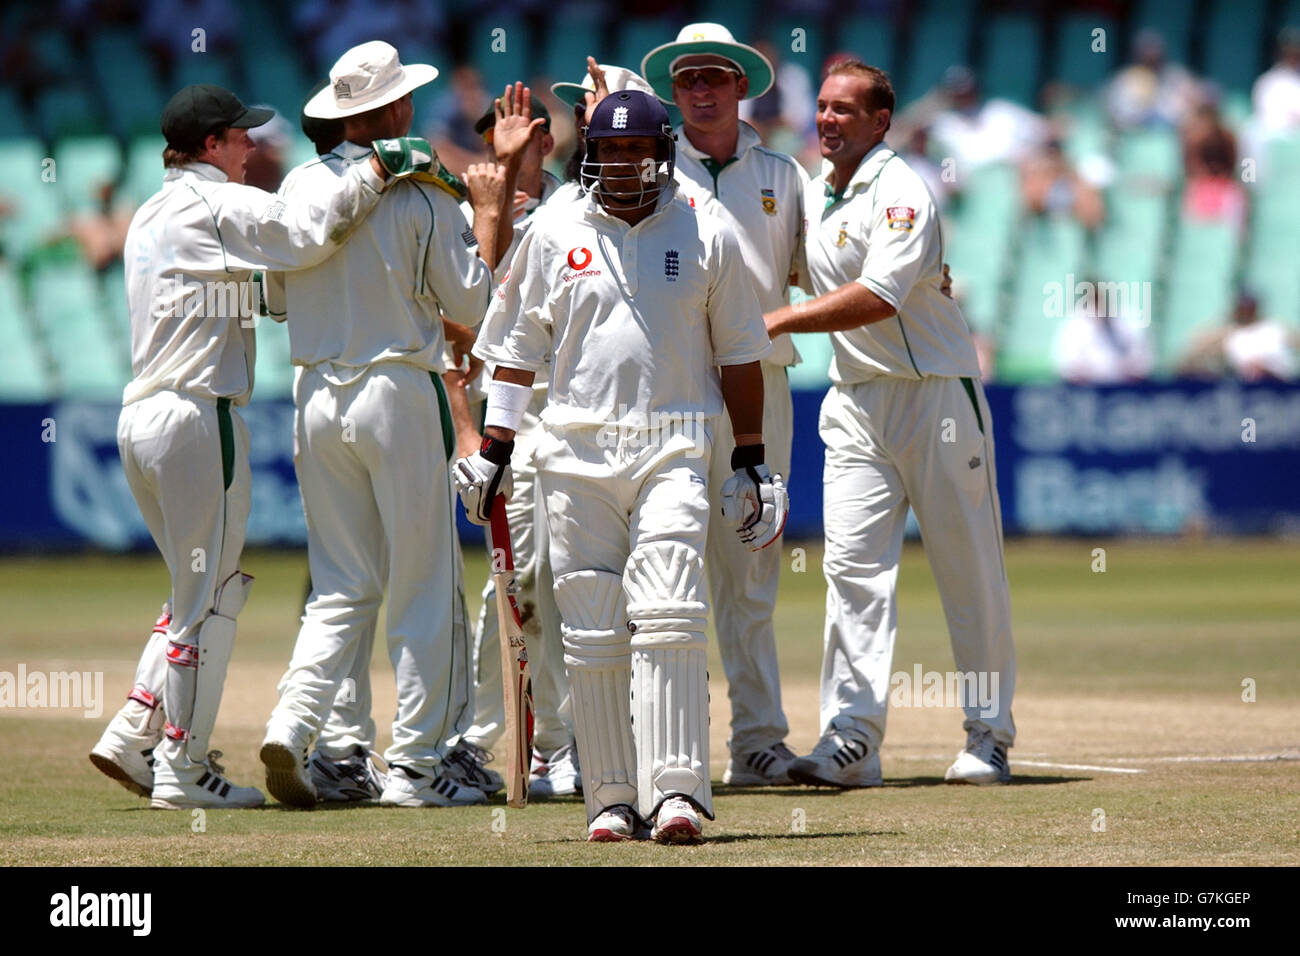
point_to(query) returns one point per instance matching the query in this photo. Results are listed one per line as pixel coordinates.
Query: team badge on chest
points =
(843, 236)
(769, 201)
(671, 265)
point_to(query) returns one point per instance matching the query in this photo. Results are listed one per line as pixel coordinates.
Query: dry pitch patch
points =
(1129, 708)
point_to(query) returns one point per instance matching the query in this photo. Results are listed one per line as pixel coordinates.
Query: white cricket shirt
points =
(760, 194)
(377, 299)
(635, 317)
(883, 232)
(190, 252)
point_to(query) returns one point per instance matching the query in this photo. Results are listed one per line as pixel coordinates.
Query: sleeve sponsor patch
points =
(275, 210)
(471, 240)
(901, 218)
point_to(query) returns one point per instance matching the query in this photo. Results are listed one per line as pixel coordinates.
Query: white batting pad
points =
(597, 657)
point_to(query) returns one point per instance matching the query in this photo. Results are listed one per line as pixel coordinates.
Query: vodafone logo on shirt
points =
(579, 259)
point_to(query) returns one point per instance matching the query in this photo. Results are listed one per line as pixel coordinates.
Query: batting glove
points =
(406, 155)
(755, 499)
(482, 476)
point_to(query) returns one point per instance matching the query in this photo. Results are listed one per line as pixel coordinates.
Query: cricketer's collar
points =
(205, 171)
(745, 141)
(868, 169)
(350, 151)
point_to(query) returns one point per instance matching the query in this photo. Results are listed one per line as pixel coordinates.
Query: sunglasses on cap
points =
(713, 76)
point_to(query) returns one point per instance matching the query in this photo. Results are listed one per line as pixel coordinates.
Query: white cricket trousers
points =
(186, 462)
(372, 447)
(743, 583)
(530, 542)
(891, 442)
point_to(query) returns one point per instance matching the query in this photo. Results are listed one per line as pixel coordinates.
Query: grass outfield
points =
(1129, 709)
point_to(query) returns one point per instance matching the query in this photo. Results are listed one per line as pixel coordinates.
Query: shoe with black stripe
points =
(982, 762)
(840, 759)
(287, 776)
(182, 784)
(409, 788)
(356, 778)
(467, 764)
(769, 767)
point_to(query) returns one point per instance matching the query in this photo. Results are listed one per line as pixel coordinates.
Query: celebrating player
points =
(904, 423)
(373, 433)
(191, 250)
(722, 169)
(641, 300)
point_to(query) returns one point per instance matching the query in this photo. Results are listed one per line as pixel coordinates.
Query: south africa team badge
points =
(769, 201)
(843, 237)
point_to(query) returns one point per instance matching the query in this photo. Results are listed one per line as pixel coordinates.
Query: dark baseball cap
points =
(199, 110)
(488, 119)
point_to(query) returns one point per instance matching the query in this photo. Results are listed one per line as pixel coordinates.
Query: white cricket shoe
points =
(355, 778)
(190, 784)
(467, 764)
(125, 757)
(769, 767)
(677, 822)
(612, 825)
(840, 759)
(287, 776)
(982, 762)
(407, 788)
(555, 774)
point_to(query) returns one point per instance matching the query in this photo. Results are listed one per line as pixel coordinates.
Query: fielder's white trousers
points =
(372, 450)
(530, 540)
(743, 583)
(186, 462)
(891, 442)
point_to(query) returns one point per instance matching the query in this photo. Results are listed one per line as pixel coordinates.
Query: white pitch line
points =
(1207, 758)
(1073, 766)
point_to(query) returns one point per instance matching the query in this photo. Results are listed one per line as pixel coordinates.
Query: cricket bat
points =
(516, 681)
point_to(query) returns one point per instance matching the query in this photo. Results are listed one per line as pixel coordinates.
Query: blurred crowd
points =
(947, 134)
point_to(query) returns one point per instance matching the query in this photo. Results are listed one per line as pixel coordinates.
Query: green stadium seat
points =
(144, 168)
(941, 37)
(500, 68)
(1234, 40)
(1283, 172)
(84, 165)
(1129, 243)
(122, 65)
(277, 80)
(203, 68)
(23, 377)
(780, 33)
(872, 39)
(1150, 158)
(273, 373)
(68, 111)
(744, 20)
(113, 308)
(1273, 270)
(637, 36)
(1075, 62)
(1012, 53)
(13, 118)
(1051, 250)
(565, 50)
(1088, 133)
(65, 301)
(1199, 288)
(35, 214)
(983, 219)
(1173, 21)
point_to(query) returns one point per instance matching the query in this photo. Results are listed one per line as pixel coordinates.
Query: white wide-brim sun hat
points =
(617, 78)
(365, 78)
(697, 39)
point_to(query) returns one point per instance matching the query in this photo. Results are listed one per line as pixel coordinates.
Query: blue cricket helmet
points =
(629, 113)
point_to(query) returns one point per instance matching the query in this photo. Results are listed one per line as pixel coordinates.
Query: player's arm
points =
(742, 393)
(848, 307)
(468, 438)
(494, 220)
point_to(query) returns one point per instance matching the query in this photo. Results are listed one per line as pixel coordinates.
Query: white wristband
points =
(506, 404)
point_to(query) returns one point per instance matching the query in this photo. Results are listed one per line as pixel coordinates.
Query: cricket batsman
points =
(646, 311)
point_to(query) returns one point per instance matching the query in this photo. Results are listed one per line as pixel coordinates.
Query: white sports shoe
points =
(126, 758)
(354, 779)
(982, 762)
(287, 776)
(761, 768)
(467, 764)
(677, 822)
(612, 825)
(407, 788)
(840, 759)
(199, 785)
(555, 774)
